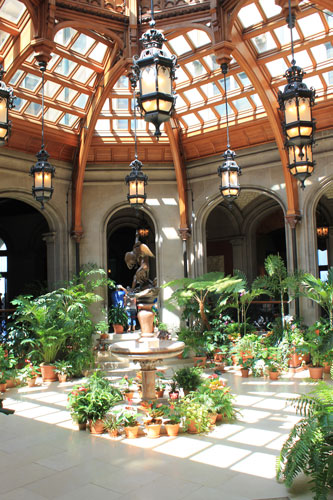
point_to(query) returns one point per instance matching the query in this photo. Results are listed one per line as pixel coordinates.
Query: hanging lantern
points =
(6, 102)
(301, 164)
(296, 102)
(155, 72)
(229, 172)
(322, 231)
(136, 182)
(42, 172)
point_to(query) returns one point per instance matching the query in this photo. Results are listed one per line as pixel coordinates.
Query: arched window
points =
(3, 272)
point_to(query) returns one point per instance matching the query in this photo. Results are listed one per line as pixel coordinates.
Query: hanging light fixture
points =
(155, 71)
(42, 171)
(322, 231)
(296, 103)
(136, 180)
(229, 171)
(6, 102)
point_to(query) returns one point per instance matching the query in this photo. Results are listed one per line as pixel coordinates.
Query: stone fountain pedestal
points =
(149, 352)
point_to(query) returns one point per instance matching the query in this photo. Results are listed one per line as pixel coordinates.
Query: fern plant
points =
(309, 447)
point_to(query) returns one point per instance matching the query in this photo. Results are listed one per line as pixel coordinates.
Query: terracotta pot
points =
(159, 394)
(316, 372)
(327, 369)
(113, 433)
(192, 428)
(153, 430)
(186, 392)
(3, 387)
(213, 418)
(48, 373)
(218, 357)
(273, 375)
(128, 396)
(62, 378)
(174, 395)
(219, 417)
(234, 359)
(200, 360)
(132, 432)
(118, 328)
(31, 382)
(305, 358)
(96, 427)
(172, 429)
(104, 336)
(82, 426)
(11, 382)
(146, 319)
(294, 360)
(245, 372)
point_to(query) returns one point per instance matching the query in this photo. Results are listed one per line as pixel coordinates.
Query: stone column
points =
(330, 246)
(49, 239)
(238, 253)
(148, 369)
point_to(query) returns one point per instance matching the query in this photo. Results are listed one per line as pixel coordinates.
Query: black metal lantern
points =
(229, 172)
(322, 232)
(6, 102)
(42, 171)
(155, 72)
(296, 102)
(136, 182)
(301, 164)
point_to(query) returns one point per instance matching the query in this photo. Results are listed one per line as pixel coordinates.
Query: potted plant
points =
(128, 390)
(172, 416)
(112, 423)
(118, 318)
(273, 362)
(313, 345)
(196, 415)
(188, 378)
(3, 381)
(174, 393)
(245, 364)
(159, 384)
(7, 364)
(102, 328)
(99, 400)
(63, 370)
(29, 373)
(78, 404)
(129, 420)
(153, 421)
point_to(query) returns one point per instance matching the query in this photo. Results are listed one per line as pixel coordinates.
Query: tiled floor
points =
(43, 457)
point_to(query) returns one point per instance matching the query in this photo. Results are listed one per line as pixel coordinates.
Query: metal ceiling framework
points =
(88, 101)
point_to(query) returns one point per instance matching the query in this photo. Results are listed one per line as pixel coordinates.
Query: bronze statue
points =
(139, 257)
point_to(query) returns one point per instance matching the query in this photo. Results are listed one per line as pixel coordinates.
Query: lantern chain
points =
(224, 68)
(291, 24)
(42, 67)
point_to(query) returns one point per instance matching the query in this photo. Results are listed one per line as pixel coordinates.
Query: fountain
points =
(148, 350)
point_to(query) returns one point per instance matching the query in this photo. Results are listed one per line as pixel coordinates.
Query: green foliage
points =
(118, 316)
(309, 447)
(188, 378)
(320, 292)
(195, 411)
(63, 367)
(81, 359)
(113, 420)
(128, 416)
(30, 370)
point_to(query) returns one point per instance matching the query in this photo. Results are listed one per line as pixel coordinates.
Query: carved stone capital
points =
(149, 364)
(184, 233)
(293, 219)
(49, 237)
(77, 236)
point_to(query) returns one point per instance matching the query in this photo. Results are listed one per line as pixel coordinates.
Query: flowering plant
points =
(154, 410)
(78, 403)
(273, 359)
(127, 382)
(29, 370)
(215, 383)
(159, 384)
(128, 416)
(172, 413)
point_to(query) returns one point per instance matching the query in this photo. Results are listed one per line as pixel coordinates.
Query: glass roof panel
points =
(270, 8)
(210, 89)
(16, 77)
(328, 77)
(310, 25)
(66, 95)
(221, 109)
(180, 103)
(83, 74)
(122, 83)
(65, 67)
(249, 15)
(264, 42)
(329, 18)
(313, 81)
(283, 34)
(179, 45)
(81, 101)
(83, 44)
(34, 109)
(3, 38)
(98, 53)
(52, 115)
(211, 62)
(68, 120)
(207, 115)
(195, 68)
(191, 119)
(64, 36)
(245, 81)
(12, 10)
(322, 52)
(51, 88)
(30, 82)
(256, 99)
(19, 103)
(193, 96)
(302, 59)
(103, 125)
(277, 67)
(120, 124)
(242, 104)
(52, 61)
(198, 38)
(106, 106)
(181, 76)
(231, 83)
(120, 104)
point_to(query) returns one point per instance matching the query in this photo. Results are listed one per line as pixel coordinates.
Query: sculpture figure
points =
(139, 257)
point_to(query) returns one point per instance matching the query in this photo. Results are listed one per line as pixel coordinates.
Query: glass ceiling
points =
(78, 62)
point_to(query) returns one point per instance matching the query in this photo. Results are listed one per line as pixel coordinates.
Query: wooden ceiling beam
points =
(82, 61)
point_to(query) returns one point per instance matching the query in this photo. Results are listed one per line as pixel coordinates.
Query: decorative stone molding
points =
(293, 219)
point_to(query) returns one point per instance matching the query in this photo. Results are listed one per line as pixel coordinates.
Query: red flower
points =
(172, 407)
(159, 405)
(126, 377)
(317, 332)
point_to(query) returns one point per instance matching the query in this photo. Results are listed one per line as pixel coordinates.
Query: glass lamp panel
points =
(38, 179)
(293, 132)
(3, 246)
(3, 133)
(164, 80)
(291, 110)
(304, 109)
(307, 131)
(3, 110)
(225, 179)
(47, 180)
(150, 106)
(141, 188)
(148, 80)
(233, 178)
(165, 105)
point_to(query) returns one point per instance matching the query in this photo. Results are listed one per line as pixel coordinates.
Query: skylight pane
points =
(65, 67)
(322, 52)
(52, 62)
(30, 82)
(302, 59)
(211, 62)
(242, 104)
(231, 83)
(140, 125)
(98, 53)
(180, 103)
(82, 44)
(311, 25)
(12, 10)
(50, 88)
(276, 68)
(193, 96)
(270, 8)
(191, 120)
(83, 74)
(329, 18)
(249, 15)
(198, 38)
(106, 106)
(122, 83)
(120, 124)
(64, 36)
(33, 109)
(210, 89)
(245, 81)
(68, 120)
(81, 101)
(221, 109)
(208, 115)
(328, 77)
(103, 125)
(283, 34)
(179, 45)
(195, 68)
(313, 81)
(256, 99)
(52, 115)
(66, 95)
(19, 103)
(181, 76)
(120, 104)
(16, 77)
(264, 42)
(3, 38)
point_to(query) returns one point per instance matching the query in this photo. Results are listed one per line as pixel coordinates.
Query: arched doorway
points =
(23, 252)
(121, 231)
(324, 230)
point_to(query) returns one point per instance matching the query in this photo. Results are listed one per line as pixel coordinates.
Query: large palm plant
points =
(320, 292)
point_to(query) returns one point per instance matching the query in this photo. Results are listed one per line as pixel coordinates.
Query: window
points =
(3, 273)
